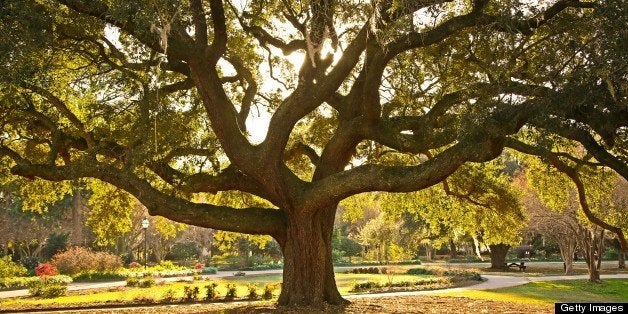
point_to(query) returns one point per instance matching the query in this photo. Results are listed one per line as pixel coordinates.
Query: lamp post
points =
(145, 227)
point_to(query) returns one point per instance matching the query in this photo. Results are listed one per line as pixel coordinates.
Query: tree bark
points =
(589, 244)
(453, 250)
(498, 255)
(308, 273)
(567, 247)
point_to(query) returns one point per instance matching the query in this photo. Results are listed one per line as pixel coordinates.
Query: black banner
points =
(583, 308)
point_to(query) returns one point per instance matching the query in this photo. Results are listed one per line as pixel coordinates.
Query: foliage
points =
(191, 293)
(110, 214)
(183, 251)
(209, 270)
(8, 268)
(132, 282)
(55, 243)
(46, 269)
(345, 245)
(38, 195)
(24, 282)
(49, 286)
(210, 291)
(372, 285)
(369, 270)
(169, 295)
(268, 291)
(30, 262)
(47, 289)
(82, 260)
(231, 291)
(419, 271)
(98, 276)
(252, 291)
(141, 282)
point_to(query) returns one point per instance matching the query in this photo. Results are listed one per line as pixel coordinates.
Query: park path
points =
(492, 282)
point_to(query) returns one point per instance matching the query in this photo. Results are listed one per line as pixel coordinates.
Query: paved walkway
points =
(493, 282)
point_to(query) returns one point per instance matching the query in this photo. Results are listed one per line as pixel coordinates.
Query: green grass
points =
(610, 290)
(344, 281)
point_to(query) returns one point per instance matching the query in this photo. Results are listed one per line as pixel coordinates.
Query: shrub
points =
(268, 291)
(366, 270)
(132, 282)
(190, 293)
(199, 266)
(143, 299)
(47, 290)
(10, 269)
(211, 291)
(252, 291)
(134, 264)
(46, 269)
(48, 287)
(231, 291)
(24, 282)
(55, 243)
(98, 276)
(147, 282)
(366, 286)
(419, 271)
(169, 295)
(167, 265)
(79, 259)
(264, 267)
(209, 270)
(30, 262)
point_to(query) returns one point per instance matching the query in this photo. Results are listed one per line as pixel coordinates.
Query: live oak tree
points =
(157, 98)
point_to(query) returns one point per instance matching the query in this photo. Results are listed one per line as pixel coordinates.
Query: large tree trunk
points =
(308, 273)
(498, 255)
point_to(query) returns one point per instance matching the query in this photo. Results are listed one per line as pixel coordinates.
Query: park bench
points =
(521, 265)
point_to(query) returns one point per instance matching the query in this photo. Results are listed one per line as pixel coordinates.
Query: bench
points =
(521, 265)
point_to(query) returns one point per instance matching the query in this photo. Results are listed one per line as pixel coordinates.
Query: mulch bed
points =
(406, 304)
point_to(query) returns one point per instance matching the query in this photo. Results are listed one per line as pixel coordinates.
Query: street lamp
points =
(145, 226)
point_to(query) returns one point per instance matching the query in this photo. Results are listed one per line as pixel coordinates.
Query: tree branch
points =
(249, 220)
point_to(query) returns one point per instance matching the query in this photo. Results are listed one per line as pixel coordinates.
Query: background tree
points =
(157, 99)
(558, 192)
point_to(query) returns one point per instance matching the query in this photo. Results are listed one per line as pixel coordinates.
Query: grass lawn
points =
(610, 290)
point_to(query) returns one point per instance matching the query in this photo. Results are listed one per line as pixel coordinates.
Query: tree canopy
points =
(163, 99)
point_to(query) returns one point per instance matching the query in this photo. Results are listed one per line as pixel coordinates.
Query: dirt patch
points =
(411, 304)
